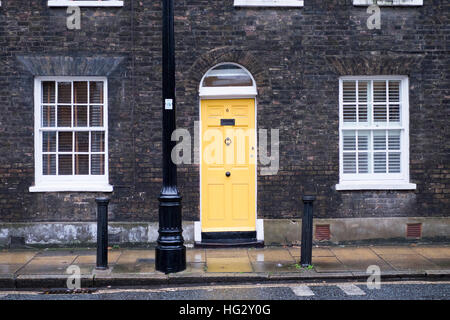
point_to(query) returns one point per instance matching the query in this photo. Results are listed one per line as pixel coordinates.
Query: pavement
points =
(48, 268)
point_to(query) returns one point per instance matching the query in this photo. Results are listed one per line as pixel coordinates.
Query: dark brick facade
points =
(295, 55)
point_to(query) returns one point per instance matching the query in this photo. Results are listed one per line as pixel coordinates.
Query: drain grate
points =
(323, 232)
(69, 291)
(414, 230)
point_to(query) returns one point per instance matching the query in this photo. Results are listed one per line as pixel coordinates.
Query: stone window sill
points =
(268, 3)
(72, 188)
(388, 3)
(359, 185)
(93, 3)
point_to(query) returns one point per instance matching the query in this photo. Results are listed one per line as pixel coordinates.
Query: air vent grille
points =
(323, 232)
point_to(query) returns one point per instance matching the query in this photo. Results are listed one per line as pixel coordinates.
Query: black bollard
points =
(102, 233)
(307, 231)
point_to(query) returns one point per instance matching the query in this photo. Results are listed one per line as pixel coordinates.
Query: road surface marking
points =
(351, 290)
(302, 291)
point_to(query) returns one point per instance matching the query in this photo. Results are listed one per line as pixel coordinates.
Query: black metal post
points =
(170, 255)
(307, 231)
(102, 233)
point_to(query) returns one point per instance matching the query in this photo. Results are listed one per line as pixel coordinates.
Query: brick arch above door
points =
(228, 54)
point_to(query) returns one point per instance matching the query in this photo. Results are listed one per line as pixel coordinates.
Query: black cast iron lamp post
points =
(170, 255)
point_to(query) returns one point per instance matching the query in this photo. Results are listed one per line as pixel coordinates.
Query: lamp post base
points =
(170, 253)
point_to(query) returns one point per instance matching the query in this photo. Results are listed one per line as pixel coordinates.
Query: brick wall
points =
(296, 57)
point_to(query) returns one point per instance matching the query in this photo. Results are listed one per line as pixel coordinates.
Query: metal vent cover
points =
(322, 232)
(414, 230)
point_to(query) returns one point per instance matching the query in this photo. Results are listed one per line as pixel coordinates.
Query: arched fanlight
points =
(227, 75)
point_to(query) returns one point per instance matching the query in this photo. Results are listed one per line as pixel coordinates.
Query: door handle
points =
(228, 173)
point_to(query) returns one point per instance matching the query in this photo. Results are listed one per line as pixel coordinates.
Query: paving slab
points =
(91, 257)
(9, 268)
(273, 267)
(16, 257)
(328, 264)
(196, 255)
(271, 255)
(47, 264)
(382, 250)
(433, 252)
(234, 264)
(409, 262)
(226, 253)
(359, 259)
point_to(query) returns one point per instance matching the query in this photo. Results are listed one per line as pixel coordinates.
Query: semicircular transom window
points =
(227, 75)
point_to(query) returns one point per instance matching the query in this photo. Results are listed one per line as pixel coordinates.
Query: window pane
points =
(394, 162)
(48, 116)
(394, 113)
(394, 139)
(349, 91)
(97, 164)
(65, 141)
(80, 116)
(64, 116)
(379, 162)
(81, 164)
(350, 113)
(65, 164)
(363, 87)
(227, 75)
(349, 162)
(80, 91)
(96, 92)
(379, 91)
(49, 164)
(363, 162)
(349, 140)
(48, 141)
(379, 140)
(97, 141)
(394, 91)
(48, 92)
(362, 113)
(96, 116)
(363, 140)
(380, 113)
(64, 92)
(81, 141)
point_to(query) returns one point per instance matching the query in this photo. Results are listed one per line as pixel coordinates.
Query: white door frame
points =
(228, 93)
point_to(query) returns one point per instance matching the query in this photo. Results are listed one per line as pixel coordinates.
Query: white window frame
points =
(268, 3)
(91, 3)
(78, 183)
(388, 3)
(377, 181)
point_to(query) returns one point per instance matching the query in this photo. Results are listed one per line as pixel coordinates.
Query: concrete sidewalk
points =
(135, 267)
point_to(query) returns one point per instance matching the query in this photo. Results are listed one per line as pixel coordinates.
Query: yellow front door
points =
(228, 165)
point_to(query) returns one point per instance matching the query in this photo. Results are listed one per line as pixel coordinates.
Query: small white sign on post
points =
(169, 104)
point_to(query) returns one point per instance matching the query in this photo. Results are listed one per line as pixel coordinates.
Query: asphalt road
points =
(412, 290)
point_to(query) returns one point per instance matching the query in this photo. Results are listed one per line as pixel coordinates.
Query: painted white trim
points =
(388, 3)
(376, 181)
(81, 183)
(268, 3)
(93, 3)
(259, 229)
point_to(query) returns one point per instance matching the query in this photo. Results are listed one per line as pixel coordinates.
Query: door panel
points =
(228, 202)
